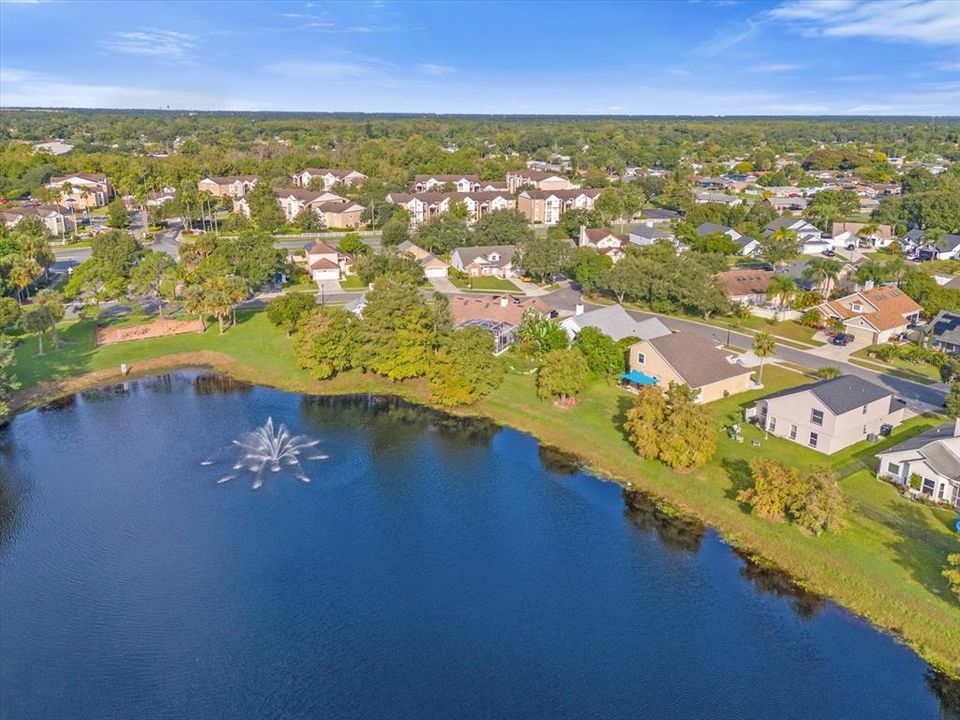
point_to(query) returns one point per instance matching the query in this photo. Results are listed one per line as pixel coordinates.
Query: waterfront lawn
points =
(485, 283)
(885, 564)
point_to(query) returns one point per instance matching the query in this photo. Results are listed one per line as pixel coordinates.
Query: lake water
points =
(434, 568)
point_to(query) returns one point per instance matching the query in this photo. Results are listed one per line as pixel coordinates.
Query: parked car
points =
(829, 252)
(841, 339)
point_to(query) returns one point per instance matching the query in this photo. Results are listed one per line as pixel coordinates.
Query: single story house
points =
(747, 244)
(874, 315)
(946, 248)
(614, 321)
(647, 233)
(746, 286)
(660, 216)
(831, 414)
(847, 233)
(327, 263)
(805, 231)
(498, 314)
(718, 198)
(485, 261)
(690, 359)
(433, 267)
(933, 456)
(944, 332)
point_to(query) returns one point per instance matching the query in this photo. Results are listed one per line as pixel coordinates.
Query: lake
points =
(433, 568)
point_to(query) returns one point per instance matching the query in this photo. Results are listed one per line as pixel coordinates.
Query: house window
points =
(865, 409)
(856, 307)
(928, 486)
(940, 494)
(772, 424)
(641, 358)
(893, 469)
(813, 439)
(793, 432)
(816, 417)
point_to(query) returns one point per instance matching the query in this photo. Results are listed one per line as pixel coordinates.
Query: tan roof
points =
(57, 179)
(499, 308)
(696, 358)
(321, 248)
(595, 235)
(227, 179)
(745, 282)
(324, 264)
(562, 194)
(892, 306)
(882, 231)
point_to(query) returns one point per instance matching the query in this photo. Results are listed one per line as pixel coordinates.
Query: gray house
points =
(831, 414)
(933, 457)
(614, 321)
(944, 332)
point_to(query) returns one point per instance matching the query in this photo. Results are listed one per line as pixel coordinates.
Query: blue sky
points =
(702, 58)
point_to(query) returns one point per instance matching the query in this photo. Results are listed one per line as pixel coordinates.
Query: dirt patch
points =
(157, 328)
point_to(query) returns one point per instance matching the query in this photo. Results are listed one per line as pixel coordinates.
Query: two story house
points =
(538, 180)
(874, 315)
(424, 206)
(932, 458)
(82, 191)
(831, 414)
(327, 263)
(603, 241)
(485, 261)
(546, 206)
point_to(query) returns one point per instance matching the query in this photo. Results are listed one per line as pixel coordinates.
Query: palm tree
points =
(763, 347)
(824, 271)
(835, 324)
(872, 271)
(23, 271)
(896, 267)
(783, 288)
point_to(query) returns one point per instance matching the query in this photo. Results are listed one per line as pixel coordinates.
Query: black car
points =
(841, 339)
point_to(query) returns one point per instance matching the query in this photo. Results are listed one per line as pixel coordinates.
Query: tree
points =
(502, 227)
(817, 503)
(779, 247)
(763, 347)
(464, 368)
(8, 380)
(398, 264)
(544, 257)
(953, 399)
(541, 333)
(53, 303)
(36, 319)
(117, 215)
(563, 374)
(952, 572)
(264, 210)
(600, 351)
(327, 342)
(353, 244)
(772, 489)
(671, 428)
(286, 311)
(397, 330)
(782, 287)
(591, 269)
(154, 275)
(23, 272)
(442, 233)
(570, 221)
(10, 312)
(309, 221)
(395, 231)
(825, 271)
(117, 252)
(644, 421)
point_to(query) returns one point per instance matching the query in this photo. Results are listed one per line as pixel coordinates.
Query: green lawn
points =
(789, 329)
(884, 564)
(919, 372)
(352, 282)
(485, 283)
(310, 287)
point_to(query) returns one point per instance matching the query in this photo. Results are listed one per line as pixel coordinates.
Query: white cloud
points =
(165, 45)
(435, 69)
(776, 68)
(726, 38)
(24, 88)
(347, 68)
(930, 22)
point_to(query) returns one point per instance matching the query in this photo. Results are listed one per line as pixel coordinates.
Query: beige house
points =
(546, 206)
(486, 261)
(604, 242)
(932, 458)
(82, 191)
(831, 414)
(538, 180)
(690, 359)
(232, 186)
(340, 214)
(436, 183)
(433, 267)
(328, 177)
(874, 315)
(423, 206)
(57, 221)
(327, 263)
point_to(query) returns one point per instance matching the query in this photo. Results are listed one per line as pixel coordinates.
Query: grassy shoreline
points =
(883, 566)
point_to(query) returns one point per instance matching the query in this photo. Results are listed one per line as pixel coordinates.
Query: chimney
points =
(504, 301)
(583, 235)
(868, 285)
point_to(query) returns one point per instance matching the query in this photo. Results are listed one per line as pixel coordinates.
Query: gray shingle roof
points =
(710, 228)
(841, 394)
(946, 327)
(930, 446)
(696, 358)
(614, 321)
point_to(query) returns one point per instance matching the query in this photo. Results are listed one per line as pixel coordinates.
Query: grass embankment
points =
(918, 372)
(485, 283)
(885, 564)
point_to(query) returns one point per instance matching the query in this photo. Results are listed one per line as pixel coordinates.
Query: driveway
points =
(444, 286)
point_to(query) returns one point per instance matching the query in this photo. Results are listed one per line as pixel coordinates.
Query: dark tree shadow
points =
(674, 531)
(740, 476)
(559, 461)
(774, 581)
(624, 403)
(947, 690)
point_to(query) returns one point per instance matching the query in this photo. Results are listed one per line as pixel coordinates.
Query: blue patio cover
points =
(638, 378)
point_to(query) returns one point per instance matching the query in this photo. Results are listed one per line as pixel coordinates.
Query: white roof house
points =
(616, 322)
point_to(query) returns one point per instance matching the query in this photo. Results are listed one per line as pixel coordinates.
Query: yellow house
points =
(690, 359)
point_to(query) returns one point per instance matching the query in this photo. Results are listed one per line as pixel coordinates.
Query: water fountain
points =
(271, 449)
